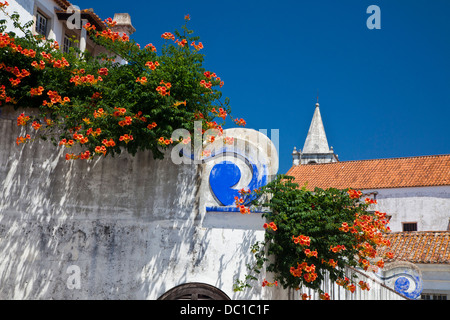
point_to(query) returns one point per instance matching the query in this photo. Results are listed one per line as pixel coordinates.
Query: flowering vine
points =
(95, 106)
(310, 234)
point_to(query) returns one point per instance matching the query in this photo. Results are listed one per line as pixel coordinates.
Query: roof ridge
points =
(415, 171)
(377, 159)
(417, 232)
(63, 3)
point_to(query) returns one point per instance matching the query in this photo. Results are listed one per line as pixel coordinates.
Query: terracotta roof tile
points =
(420, 246)
(63, 4)
(375, 174)
(85, 14)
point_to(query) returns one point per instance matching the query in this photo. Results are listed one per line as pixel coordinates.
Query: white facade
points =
(131, 227)
(420, 208)
(429, 207)
(119, 228)
(28, 10)
(436, 280)
(61, 29)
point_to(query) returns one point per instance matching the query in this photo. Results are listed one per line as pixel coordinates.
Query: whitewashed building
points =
(413, 191)
(133, 227)
(62, 21)
(128, 227)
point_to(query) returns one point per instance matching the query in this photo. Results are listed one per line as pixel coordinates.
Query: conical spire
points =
(316, 148)
(316, 141)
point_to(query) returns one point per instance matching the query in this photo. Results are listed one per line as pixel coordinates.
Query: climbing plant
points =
(309, 234)
(99, 105)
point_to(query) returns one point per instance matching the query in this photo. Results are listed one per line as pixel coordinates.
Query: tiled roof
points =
(91, 15)
(420, 246)
(85, 14)
(375, 174)
(63, 4)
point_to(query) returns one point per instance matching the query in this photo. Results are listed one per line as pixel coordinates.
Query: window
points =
(41, 24)
(410, 226)
(430, 296)
(67, 43)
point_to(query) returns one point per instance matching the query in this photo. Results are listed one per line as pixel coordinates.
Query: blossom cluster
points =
(36, 91)
(367, 230)
(54, 99)
(19, 74)
(266, 283)
(22, 119)
(354, 194)
(164, 141)
(23, 139)
(126, 138)
(150, 47)
(152, 65)
(88, 79)
(181, 43)
(308, 271)
(164, 89)
(113, 36)
(301, 240)
(240, 122)
(168, 36)
(270, 225)
(221, 113)
(198, 46)
(75, 97)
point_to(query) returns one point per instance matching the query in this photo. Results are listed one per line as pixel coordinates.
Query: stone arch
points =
(194, 291)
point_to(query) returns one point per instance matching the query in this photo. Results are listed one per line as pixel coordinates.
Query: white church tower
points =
(316, 148)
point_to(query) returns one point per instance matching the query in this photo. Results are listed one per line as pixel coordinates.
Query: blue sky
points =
(383, 93)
